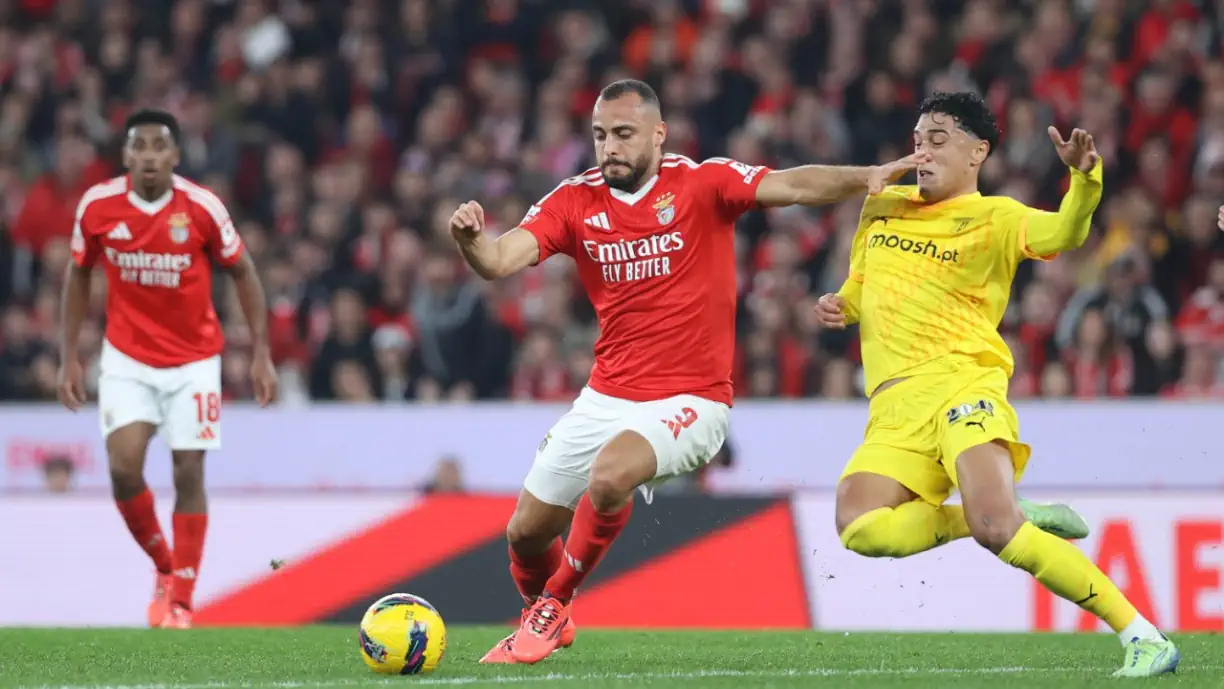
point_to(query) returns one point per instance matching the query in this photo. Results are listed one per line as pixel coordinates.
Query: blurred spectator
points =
(343, 135)
(58, 473)
(447, 477)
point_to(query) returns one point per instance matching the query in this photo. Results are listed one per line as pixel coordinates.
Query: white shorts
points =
(563, 462)
(183, 402)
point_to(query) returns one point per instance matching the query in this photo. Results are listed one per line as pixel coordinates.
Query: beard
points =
(622, 180)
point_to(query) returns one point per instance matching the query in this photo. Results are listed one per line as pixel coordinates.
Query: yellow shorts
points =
(918, 427)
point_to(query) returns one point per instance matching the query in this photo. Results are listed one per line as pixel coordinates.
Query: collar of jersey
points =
(916, 199)
(632, 199)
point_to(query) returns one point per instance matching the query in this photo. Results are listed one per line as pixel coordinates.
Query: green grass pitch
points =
(328, 657)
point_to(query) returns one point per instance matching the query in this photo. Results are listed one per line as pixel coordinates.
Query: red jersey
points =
(157, 256)
(659, 267)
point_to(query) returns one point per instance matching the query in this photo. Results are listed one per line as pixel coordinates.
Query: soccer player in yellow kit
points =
(931, 270)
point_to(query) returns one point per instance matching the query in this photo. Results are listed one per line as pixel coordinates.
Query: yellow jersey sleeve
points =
(1042, 235)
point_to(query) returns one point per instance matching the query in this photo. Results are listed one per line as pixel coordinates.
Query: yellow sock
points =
(905, 530)
(1068, 573)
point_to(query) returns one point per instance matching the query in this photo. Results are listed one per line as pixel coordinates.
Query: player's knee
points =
(994, 529)
(625, 463)
(526, 536)
(869, 534)
(127, 478)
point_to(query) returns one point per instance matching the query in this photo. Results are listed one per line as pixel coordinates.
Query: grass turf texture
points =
(327, 656)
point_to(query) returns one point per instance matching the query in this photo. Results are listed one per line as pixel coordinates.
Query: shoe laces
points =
(544, 617)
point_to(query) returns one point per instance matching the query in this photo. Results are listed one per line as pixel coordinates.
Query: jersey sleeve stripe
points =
(206, 199)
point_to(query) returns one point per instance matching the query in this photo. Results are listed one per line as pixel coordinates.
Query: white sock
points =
(1140, 628)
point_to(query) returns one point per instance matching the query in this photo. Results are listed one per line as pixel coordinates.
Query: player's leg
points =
(534, 536)
(890, 498)
(192, 406)
(190, 525)
(988, 460)
(553, 487)
(126, 447)
(656, 440)
(878, 516)
(129, 415)
(624, 463)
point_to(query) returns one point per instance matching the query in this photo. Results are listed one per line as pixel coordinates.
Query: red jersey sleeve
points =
(735, 183)
(548, 222)
(224, 244)
(84, 243)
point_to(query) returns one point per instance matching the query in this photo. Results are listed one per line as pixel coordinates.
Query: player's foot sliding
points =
(503, 652)
(1053, 518)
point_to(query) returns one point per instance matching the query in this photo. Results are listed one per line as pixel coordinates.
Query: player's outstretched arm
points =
(1047, 234)
(491, 258)
(817, 185)
(73, 305)
(255, 309)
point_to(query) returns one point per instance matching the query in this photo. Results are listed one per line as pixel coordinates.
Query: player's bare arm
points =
(491, 258)
(73, 305)
(255, 309)
(1050, 233)
(818, 185)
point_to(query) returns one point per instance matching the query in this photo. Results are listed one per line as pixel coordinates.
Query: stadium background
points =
(341, 135)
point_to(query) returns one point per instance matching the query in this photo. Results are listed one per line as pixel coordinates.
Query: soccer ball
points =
(402, 634)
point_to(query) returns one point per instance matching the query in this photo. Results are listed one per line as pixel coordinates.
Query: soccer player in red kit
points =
(157, 236)
(653, 237)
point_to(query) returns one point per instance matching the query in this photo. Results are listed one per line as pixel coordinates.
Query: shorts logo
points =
(179, 228)
(108, 418)
(964, 411)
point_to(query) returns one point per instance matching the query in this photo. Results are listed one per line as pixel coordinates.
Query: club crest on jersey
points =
(180, 227)
(666, 211)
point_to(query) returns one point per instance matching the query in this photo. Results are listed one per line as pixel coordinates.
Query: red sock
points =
(141, 518)
(591, 534)
(188, 551)
(531, 572)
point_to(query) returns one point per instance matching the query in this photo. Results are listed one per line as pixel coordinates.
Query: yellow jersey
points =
(929, 282)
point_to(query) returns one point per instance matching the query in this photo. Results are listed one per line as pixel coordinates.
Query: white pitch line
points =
(630, 676)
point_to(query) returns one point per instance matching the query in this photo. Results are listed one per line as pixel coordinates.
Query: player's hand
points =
(467, 222)
(71, 390)
(883, 175)
(1078, 152)
(831, 311)
(263, 379)
(1220, 220)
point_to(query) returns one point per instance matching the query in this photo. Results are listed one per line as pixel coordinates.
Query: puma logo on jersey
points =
(599, 222)
(121, 233)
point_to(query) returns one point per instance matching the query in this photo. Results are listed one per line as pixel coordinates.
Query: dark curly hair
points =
(970, 112)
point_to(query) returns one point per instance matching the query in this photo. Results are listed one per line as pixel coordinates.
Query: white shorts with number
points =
(685, 431)
(183, 402)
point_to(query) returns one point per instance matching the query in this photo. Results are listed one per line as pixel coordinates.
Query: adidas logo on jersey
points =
(599, 222)
(120, 233)
(207, 434)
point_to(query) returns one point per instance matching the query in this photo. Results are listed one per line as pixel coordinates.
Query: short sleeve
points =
(547, 222)
(84, 244)
(1011, 220)
(224, 243)
(735, 183)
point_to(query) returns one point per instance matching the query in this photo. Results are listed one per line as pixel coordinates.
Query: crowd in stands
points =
(343, 134)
